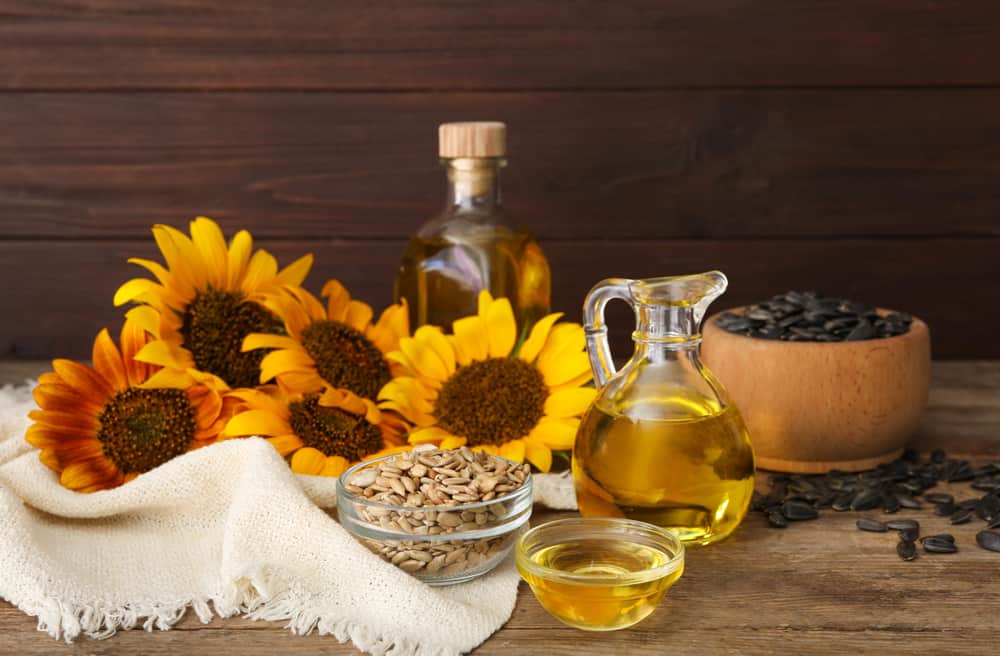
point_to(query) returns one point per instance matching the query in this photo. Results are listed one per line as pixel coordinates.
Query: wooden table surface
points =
(816, 587)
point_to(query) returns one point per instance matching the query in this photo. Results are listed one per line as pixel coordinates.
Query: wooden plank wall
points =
(847, 145)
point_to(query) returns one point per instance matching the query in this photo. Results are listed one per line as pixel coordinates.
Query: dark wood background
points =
(847, 145)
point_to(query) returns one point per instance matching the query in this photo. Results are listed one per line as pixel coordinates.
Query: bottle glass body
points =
(662, 443)
(471, 246)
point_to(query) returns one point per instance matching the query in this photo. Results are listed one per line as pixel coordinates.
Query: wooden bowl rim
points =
(918, 331)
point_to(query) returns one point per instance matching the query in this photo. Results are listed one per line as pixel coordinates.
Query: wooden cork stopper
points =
(472, 139)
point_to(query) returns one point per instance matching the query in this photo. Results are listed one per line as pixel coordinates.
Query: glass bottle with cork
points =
(472, 245)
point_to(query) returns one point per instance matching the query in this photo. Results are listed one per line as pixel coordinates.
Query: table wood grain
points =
(816, 587)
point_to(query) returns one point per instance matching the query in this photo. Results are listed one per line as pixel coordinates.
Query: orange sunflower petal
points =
(82, 377)
(308, 460)
(107, 361)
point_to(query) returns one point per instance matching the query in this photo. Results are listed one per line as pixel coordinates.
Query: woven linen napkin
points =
(224, 530)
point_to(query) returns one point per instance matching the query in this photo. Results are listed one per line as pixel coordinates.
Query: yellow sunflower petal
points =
(452, 442)
(347, 400)
(433, 338)
(155, 268)
(265, 340)
(558, 372)
(412, 415)
(308, 461)
(564, 338)
(429, 435)
(261, 270)
(470, 339)
(144, 290)
(337, 299)
(410, 392)
(168, 379)
(310, 304)
(557, 434)
(256, 422)
(180, 266)
(165, 354)
(210, 243)
(485, 299)
(393, 325)
(296, 272)
(240, 247)
(359, 315)
(569, 402)
(146, 318)
(513, 450)
(188, 252)
(285, 444)
(335, 466)
(423, 360)
(536, 339)
(501, 327)
(276, 363)
(538, 454)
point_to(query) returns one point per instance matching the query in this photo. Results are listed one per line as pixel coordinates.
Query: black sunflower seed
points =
(988, 540)
(797, 511)
(843, 502)
(906, 501)
(872, 525)
(903, 524)
(944, 509)
(946, 537)
(989, 507)
(776, 520)
(890, 504)
(961, 517)
(866, 500)
(939, 497)
(968, 504)
(937, 456)
(994, 524)
(907, 549)
(932, 545)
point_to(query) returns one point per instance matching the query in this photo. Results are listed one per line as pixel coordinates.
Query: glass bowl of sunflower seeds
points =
(443, 516)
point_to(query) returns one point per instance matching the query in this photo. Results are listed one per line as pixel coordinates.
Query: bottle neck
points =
(473, 184)
(666, 332)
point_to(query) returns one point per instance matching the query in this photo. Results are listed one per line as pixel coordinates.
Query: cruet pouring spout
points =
(668, 310)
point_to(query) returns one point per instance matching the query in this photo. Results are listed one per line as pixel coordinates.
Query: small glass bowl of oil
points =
(599, 574)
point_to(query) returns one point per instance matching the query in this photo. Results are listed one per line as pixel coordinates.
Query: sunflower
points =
(101, 426)
(323, 433)
(202, 306)
(476, 388)
(336, 346)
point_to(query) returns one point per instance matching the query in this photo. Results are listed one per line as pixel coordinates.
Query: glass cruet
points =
(662, 442)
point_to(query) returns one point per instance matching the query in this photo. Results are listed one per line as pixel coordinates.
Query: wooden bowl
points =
(814, 406)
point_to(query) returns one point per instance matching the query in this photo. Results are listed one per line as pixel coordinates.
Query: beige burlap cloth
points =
(224, 530)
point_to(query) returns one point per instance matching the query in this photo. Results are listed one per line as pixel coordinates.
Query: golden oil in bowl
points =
(599, 574)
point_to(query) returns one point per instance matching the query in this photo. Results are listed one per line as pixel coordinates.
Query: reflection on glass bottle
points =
(472, 245)
(662, 443)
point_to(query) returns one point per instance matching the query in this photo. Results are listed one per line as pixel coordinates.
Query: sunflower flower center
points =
(345, 358)
(214, 326)
(492, 401)
(333, 431)
(143, 428)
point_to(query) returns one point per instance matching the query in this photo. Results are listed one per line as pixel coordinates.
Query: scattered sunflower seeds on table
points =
(904, 483)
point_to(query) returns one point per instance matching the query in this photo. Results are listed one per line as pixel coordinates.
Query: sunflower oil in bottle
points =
(662, 443)
(472, 245)
(620, 600)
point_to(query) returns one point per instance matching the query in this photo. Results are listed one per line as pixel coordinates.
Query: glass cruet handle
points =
(595, 328)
